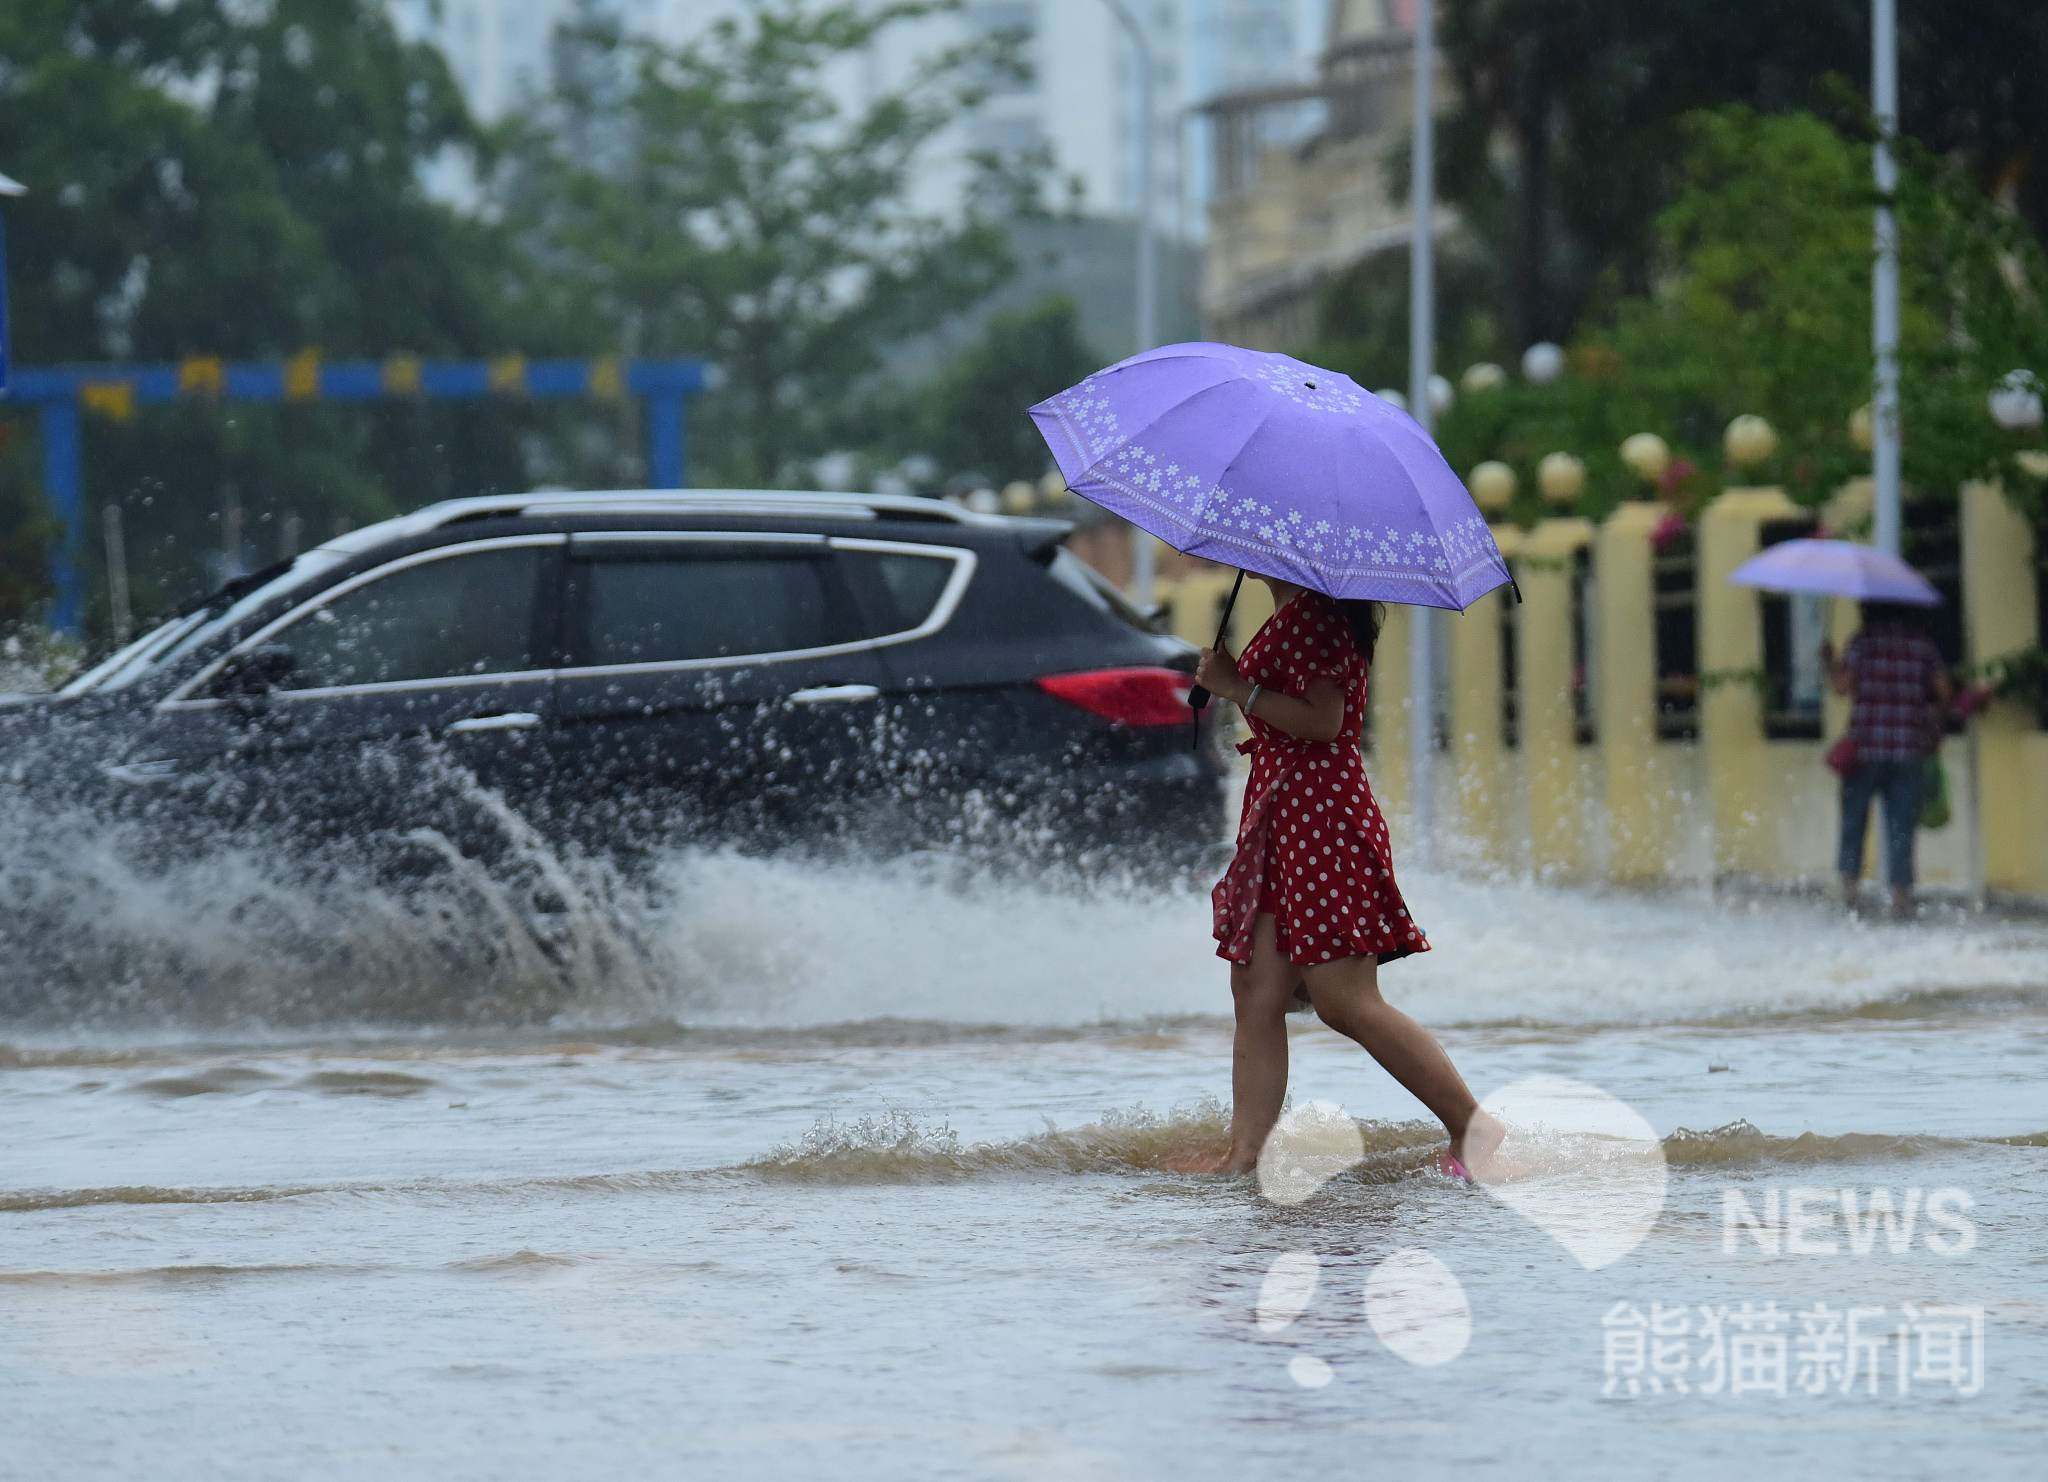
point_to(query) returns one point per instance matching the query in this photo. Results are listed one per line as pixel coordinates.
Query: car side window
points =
(448, 618)
(896, 592)
(675, 606)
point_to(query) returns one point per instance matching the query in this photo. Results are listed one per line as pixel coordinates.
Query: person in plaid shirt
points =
(1898, 689)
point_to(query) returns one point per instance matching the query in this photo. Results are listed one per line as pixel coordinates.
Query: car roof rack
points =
(760, 502)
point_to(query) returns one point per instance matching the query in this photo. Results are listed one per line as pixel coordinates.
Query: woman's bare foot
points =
(1479, 1149)
(1209, 1160)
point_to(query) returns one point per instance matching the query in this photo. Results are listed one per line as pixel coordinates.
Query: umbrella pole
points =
(1198, 698)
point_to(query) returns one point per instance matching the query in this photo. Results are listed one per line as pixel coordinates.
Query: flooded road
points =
(859, 1173)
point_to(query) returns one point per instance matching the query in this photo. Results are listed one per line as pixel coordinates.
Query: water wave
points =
(514, 1262)
(897, 1148)
(223, 1080)
(34, 1201)
(1743, 1145)
(151, 1275)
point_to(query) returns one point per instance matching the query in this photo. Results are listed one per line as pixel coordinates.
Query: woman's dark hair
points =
(1366, 619)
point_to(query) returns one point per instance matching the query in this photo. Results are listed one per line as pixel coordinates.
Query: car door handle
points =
(511, 720)
(835, 694)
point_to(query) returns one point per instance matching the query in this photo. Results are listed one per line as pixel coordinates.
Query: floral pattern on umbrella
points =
(1276, 466)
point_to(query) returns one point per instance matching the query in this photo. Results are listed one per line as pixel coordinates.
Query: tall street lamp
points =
(1421, 345)
(9, 186)
(1142, 564)
(1884, 274)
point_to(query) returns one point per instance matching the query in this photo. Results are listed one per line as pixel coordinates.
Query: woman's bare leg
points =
(1261, 991)
(1346, 994)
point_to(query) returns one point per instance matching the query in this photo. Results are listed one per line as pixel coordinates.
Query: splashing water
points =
(247, 937)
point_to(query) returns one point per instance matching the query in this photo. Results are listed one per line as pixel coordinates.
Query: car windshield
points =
(195, 624)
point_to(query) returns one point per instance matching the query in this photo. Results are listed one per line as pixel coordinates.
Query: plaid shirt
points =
(1891, 675)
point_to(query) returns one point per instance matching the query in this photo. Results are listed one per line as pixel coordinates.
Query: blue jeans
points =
(1898, 784)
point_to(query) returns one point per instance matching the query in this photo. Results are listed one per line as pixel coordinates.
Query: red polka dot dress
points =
(1311, 845)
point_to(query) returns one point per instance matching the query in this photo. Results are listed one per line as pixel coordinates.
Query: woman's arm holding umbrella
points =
(1317, 716)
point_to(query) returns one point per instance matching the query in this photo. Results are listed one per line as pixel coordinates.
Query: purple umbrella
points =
(1836, 568)
(1276, 467)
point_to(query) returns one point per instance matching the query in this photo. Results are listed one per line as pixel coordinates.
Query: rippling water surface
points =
(779, 1169)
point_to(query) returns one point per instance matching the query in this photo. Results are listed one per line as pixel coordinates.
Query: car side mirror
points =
(255, 672)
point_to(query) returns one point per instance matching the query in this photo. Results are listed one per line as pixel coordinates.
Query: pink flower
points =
(1666, 530)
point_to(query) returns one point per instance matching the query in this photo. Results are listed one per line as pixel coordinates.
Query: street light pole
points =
(1142, 563)
(1884, 274)
(8, 187)
(1421, 345)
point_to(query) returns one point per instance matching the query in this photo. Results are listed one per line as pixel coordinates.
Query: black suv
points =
(626, 671)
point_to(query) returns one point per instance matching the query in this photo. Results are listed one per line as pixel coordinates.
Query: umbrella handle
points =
(1198, 698)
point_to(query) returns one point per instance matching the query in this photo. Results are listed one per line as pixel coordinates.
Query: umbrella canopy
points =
(1836, 568)
(1277, 467)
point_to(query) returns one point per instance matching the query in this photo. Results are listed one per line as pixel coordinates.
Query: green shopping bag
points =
(1934, 808)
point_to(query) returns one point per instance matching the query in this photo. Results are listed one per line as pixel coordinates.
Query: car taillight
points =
(1131, 697)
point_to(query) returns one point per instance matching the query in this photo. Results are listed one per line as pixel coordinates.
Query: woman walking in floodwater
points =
(1898, 690)
(1309, 904)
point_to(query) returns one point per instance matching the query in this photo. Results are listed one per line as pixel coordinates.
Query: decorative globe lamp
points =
(1485, 376)
(1493, 487)
(1561, 478)
(1749, 440)
(1646, 455)
(2016, 401)
(1542, 363)
(1392, 397)
(1440, 395)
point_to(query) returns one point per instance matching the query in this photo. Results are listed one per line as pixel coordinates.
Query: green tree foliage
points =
(210, 178)
(973, 412)
(716, 198)
(1761, 304)
(1566, 143)
(1362, 318)
(1763, 301)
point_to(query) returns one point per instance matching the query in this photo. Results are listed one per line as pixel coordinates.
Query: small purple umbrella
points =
(1836, 568)
(1276, 467)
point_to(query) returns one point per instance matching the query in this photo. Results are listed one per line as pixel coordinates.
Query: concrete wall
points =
(2000, 566)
